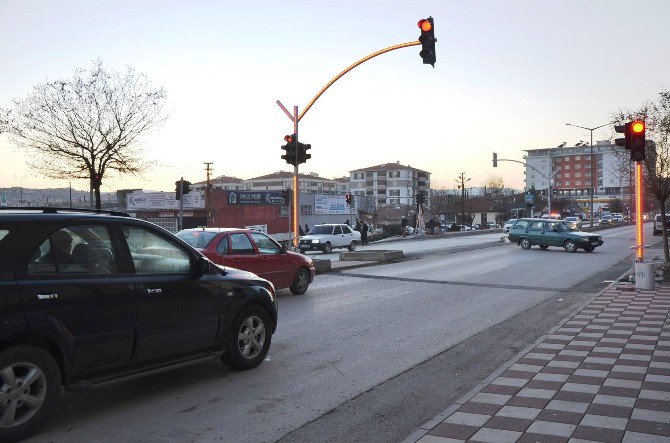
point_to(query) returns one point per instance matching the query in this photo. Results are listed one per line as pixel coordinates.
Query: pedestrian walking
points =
(306, 229)
(364, 233)
(358, 225)
(300, 231)
(403, 226)
(347, 222)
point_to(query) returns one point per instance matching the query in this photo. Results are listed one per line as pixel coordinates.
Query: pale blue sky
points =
(509, 75)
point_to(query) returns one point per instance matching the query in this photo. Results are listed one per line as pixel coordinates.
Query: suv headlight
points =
(316, 241)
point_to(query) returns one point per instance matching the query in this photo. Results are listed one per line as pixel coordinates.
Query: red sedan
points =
(254, 252)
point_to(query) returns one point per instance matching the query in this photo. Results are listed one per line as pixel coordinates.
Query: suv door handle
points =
(153, 291)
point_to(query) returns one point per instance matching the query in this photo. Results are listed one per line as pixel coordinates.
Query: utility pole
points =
(461, 186)
(208, 192)
(181, 204)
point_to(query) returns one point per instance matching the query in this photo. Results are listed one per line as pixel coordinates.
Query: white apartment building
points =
(390, 183)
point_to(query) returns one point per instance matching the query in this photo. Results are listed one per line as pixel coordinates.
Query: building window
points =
(566, 167)
(578, 174)
(578, 157)
(578, 183)
(567, 175)
(578, 166)
(567, 183)
(305, 210)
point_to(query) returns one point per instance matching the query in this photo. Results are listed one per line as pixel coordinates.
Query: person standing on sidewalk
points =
(364, 233)
(403, 226)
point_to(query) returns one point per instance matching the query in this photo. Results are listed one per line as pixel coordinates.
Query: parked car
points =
(545, 233)
(617, 217)
(255, 252)
(658, 225)
(93, 297)
(606, 219)
(326, 237)
(573, 222)
(508, 224)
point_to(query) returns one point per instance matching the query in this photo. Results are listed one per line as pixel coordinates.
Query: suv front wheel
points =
(30, 382)
(249, 339)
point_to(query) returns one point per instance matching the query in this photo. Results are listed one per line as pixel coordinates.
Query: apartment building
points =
(390, 183)
(574, 176)
(310, 183)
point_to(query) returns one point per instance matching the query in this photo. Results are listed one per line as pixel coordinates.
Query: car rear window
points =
(197, 239)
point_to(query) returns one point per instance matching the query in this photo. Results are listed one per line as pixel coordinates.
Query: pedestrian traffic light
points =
(637, 140)
(427, 39)
(289, 147)
(495, 159)
(634, 139)
(302, 154)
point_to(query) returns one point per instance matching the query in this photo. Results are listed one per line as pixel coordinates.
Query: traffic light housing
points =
(348, 198)
(421, 197)
(180, 189)
(286, 195)
(302, 154)
(634, 139)
(495, 159)
(290, 148)
(637, 140)
(427, 39)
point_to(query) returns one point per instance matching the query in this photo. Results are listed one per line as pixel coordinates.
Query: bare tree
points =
(657, 164)
(87, 125)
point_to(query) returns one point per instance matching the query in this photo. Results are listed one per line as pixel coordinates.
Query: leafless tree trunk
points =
(87, 125)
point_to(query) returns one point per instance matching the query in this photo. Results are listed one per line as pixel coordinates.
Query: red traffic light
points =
(288, 138)
(425, 25)
(637, 127)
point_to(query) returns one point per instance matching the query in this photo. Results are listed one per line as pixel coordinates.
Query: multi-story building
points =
(310, 183)
(390, 183)
(222, 182)
(574, 176)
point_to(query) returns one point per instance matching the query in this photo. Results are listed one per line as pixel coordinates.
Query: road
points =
(367, 354)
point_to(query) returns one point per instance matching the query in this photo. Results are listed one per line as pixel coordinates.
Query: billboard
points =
(331, 204)
(255, 198)
(162, 200)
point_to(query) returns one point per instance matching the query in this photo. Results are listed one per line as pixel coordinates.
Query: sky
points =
(509, 75)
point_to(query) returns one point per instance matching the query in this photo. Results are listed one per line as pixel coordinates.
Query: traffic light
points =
(554, 191)
(544, 192)
(421, 197)
(634, 139)
(348, 198)
(637, 141)
(302, 154)
(289, 147)
(427, 39)
(495, 159)
(286, 195)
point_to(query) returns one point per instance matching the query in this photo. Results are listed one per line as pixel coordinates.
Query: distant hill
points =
(17, 196)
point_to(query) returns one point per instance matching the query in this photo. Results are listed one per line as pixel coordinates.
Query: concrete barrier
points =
(321, 265)
(374, 255)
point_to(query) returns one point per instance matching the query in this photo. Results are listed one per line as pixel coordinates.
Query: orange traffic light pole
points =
(295, 118)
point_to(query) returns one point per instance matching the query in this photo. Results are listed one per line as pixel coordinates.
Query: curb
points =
(428, 426)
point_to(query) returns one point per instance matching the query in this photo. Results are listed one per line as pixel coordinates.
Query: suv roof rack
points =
(55, 210)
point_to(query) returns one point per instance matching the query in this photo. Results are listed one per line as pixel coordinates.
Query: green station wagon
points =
(527, 232)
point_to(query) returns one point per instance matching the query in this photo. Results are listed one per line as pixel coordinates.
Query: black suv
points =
(89, 297)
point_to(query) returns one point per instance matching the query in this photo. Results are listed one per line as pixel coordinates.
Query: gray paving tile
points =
(578, 387)
(551, 428)
(542, 376)
(626, 368)
(619, 383)
(496, 435)
(636, 437)
(591, 373)
(568, 406)
(563, 364)
(659, 364)
(648, 415)
(465, 418)
(526, 368)
(654, 395)
(505, 381)
(635, 357)
(536, 393)
(657, 378)
(518, 412)
(602, 360)
(607, 350)
(601, 421)
(614, 400)
(496, 399)
(573, 353)
(539, 356)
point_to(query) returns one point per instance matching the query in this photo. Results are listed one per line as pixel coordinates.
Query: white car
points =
(509, 224)
(658, 226)
(329, 236)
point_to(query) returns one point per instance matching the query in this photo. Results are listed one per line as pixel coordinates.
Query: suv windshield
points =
(197, 239)
(321, 230)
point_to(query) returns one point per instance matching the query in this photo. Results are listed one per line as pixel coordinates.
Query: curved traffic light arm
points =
(361, 61)
(525, 164)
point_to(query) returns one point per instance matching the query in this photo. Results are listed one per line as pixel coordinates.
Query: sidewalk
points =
(603, 375)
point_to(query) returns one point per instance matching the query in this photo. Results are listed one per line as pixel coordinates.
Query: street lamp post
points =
(594, 186)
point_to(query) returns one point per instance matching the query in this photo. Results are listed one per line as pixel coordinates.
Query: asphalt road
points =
(367, 354)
